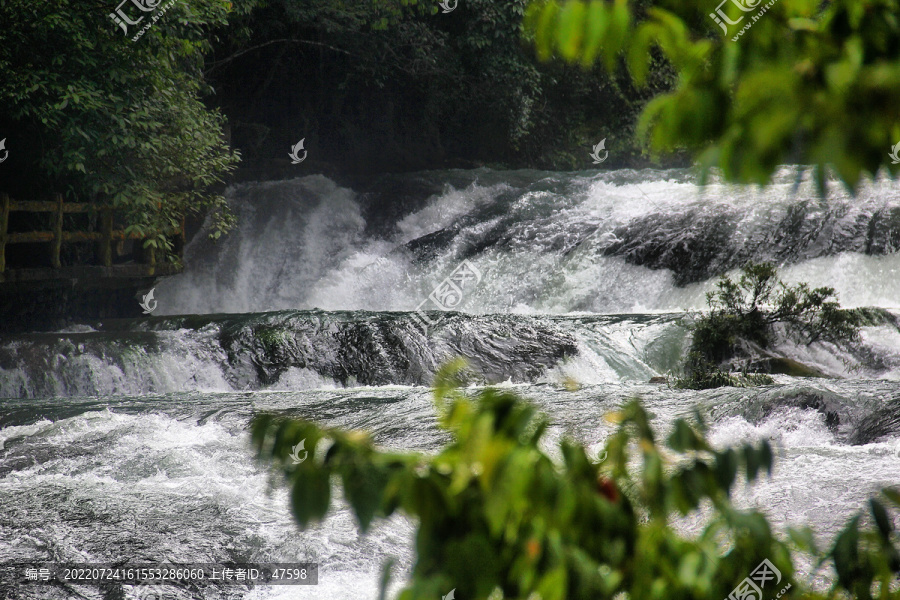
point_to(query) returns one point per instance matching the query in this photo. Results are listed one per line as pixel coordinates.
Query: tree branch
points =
(216, 64)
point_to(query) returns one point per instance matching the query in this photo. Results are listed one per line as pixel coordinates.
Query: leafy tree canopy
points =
(791, 80)
(120, 119)
(389, 85)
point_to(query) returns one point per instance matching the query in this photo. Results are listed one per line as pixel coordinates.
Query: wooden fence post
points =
(4, 227)
(56, 244)
(106, 218)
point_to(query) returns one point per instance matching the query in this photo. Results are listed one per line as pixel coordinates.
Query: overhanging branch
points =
(216, 64)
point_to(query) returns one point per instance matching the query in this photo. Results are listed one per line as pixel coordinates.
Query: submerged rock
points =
(780, 365)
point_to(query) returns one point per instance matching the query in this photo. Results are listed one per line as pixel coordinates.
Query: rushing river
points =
(126, 441)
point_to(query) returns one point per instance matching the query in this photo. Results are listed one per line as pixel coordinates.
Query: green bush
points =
(743, 315)
(120, 121)
(498, 518)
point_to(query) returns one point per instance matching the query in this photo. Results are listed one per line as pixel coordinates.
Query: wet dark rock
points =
(780, 365)
(689, 244)
(697, 244)
(880, 423)
(385, 350)
(835, 409)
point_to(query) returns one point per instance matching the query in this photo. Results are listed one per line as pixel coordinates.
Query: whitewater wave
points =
(303, 350)
(621, 242)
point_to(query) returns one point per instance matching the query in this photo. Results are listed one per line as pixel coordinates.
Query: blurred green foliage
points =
(809, 82)
(499, 517)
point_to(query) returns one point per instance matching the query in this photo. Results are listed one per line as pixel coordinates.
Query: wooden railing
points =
(57, 237)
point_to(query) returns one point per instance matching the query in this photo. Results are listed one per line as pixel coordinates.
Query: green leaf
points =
(683, 438)
(570, 29)
(364, 486)
(552, 586)
(596, 22)
(617, 31)
(725, 469)
(846, 554)
(752, 462)
(310, 495)
(546, 19)
(766, 458)
(639, 53)
(892, 494)
(804, 538)
(882, 520)
(385, 577)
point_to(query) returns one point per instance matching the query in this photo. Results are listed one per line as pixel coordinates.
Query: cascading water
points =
(127, 441)
(619, 242)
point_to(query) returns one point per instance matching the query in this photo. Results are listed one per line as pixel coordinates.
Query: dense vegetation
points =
(748, 315)
(390, 86)
(497, 517)
(90, 112)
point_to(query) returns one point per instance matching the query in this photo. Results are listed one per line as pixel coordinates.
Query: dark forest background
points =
(376, 91)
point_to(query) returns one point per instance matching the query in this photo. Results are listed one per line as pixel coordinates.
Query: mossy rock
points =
(779, 365)
(715, 378)
(873, 317)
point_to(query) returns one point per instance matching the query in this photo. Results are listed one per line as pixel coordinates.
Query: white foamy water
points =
(152, 488)
(546, 244)
(816, 478)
